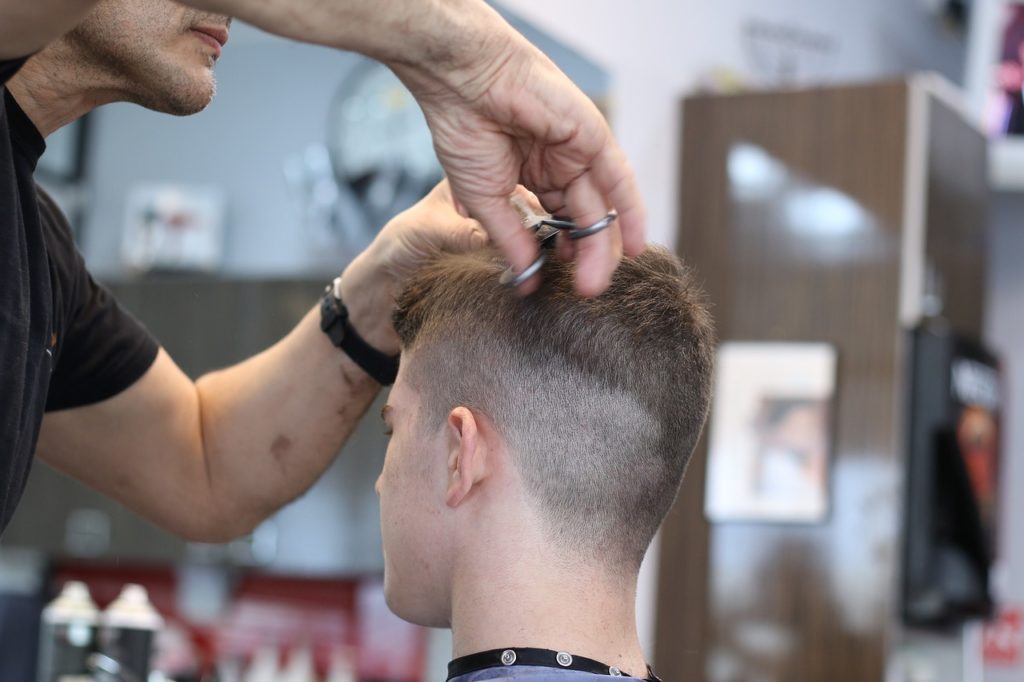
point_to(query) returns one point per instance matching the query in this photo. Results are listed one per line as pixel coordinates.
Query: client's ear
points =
(467, 455)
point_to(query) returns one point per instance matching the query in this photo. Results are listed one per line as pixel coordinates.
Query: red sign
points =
(1003, 638)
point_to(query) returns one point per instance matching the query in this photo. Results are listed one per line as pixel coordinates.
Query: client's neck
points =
(522, 601)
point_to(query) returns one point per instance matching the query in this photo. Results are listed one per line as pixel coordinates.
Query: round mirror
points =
(379, 144)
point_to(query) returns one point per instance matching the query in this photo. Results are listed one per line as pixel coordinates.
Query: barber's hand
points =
(417, 235)
(412, 238)
(517, 119)
(501, 114)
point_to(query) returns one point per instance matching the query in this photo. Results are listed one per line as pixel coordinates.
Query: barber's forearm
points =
(272, 424)
(26, 27)
(427, 34)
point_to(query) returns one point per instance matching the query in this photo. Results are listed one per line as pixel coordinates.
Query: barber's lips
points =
(214, 36)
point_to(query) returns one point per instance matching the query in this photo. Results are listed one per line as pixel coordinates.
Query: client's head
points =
(546, 426)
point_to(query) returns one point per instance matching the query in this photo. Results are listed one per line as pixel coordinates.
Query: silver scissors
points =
(546, 228)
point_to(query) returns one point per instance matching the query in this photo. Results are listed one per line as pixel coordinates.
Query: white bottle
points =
(300, 666)
(343, 667)
(263, 667)
(128, 629)
(67, 634)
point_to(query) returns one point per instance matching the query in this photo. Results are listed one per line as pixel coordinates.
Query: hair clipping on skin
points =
(546, 229)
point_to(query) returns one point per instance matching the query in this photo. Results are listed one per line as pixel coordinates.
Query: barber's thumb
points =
(467, 236)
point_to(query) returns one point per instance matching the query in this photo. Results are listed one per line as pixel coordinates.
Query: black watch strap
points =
(335, 323)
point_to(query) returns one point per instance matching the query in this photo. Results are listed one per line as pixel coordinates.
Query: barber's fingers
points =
(447, 226)
(566, 247)
(614, 179)
(459, 208)
(468, 235)
(553, 201)
(615, 233)
(529, 198)
(442, 192)
(505, 228)
(599, 254)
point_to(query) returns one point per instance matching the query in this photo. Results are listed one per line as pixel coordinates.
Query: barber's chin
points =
(191, 100)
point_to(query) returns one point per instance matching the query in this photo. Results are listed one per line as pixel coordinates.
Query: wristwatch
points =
(335, 323)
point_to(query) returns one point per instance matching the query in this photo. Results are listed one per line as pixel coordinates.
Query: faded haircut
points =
(600, 400)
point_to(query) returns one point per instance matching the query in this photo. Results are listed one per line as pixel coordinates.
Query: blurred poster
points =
(1005, 110)
(976, 396)
(174, 227)
(1003, 638)
(768, 457)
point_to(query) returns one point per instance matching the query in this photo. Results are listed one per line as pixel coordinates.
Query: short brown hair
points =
(601, 400)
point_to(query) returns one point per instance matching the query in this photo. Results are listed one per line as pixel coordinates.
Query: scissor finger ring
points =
(601, 224)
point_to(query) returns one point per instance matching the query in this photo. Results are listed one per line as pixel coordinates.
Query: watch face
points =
(332, 314)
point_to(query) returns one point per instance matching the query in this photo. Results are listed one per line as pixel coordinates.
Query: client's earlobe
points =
(464, 455)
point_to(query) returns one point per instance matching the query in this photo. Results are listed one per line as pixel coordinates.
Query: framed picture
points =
(1004, 101)
(174, 227)
(62, 171)
(995, 84)
(769, 440)
(65, 156)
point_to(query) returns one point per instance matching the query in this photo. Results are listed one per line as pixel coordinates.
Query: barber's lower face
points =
(416, 554)
(161, 53)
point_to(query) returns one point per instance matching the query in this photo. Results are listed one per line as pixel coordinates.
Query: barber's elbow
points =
(216, 527)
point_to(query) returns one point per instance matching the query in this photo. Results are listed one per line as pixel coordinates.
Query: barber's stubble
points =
(142, 51)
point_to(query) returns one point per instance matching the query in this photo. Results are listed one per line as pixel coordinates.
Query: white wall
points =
(1005, 333)
(657, 51)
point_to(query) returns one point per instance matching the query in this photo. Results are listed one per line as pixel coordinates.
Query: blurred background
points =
(848, 181)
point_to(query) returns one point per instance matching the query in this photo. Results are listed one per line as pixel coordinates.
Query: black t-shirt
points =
(64, 341)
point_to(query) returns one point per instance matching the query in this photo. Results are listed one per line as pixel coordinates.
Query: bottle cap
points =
(132, 609)
(74, 603)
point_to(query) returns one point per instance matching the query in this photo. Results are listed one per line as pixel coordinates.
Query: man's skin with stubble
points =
(144, 51)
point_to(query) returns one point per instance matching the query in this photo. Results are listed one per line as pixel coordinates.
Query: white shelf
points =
(1006, 165)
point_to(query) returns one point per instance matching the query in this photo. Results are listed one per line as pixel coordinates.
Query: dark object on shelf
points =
(958, 12)
(952, 475)
(19, 635)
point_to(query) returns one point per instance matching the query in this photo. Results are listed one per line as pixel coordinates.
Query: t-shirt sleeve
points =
(101, 348)
(9, 67)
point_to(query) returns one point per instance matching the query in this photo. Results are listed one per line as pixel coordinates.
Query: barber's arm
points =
(209, 460)
(501, 113)
(360, 25)
(25, 27)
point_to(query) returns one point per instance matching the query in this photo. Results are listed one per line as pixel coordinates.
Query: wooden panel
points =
(810, 251)
(957, 215)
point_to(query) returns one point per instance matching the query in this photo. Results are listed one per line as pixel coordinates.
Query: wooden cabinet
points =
(841, 215)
